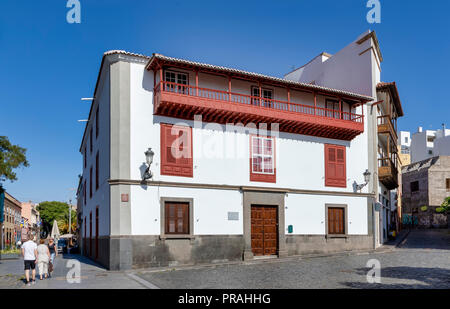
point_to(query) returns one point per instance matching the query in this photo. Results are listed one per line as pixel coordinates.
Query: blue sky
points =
(47, 65)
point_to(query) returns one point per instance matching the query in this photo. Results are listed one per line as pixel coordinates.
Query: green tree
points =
(51, 211)
(63, 223)
(11, 157)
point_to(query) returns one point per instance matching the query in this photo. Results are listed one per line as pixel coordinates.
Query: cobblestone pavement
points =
(91, 276)
(423, 261)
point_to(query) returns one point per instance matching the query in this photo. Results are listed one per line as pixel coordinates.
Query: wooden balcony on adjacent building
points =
(388, 173)
(185, 101)
(387, 125)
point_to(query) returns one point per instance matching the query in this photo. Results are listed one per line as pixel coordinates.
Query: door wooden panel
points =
(264, 230)
(336, 221)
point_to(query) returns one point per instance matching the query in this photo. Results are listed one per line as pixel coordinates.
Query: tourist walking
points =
(53, 253)
(43, 259)
(29, 253)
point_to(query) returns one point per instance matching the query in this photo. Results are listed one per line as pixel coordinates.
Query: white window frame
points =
(262, 155)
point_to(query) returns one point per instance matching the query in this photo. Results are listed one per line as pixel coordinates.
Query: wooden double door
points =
(264, 230)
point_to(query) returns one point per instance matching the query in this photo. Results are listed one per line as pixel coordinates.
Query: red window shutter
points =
(176, 150)
(96, 123)
(90, 182)
(90, 140)
(90, 233)
(96, 171)
(96, 233)
(335, 166)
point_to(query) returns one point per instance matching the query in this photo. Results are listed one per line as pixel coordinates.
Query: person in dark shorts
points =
(29, 252)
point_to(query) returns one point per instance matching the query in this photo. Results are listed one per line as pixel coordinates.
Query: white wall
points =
(210, 207)
(300, 159)
(307, 213)
(442, 146)
(300, 164)
(349, 69)
(404, 138)
(420, 147)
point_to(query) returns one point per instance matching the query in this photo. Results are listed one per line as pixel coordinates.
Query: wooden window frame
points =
(261, 176)
(84, 192)
(90, 140)
(256, 101)
(335, 182)
(90, 182)
(179, 89)
(97, 129)
(190, 202)
(97, 162)
(97, 229)
(345, 208)
(175, 169)
(84, 240)
(90, 234)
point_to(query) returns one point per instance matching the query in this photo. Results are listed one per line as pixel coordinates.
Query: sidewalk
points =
(91, 276)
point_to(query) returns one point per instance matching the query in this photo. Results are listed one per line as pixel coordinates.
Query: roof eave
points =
(309, 87)
(395, 95)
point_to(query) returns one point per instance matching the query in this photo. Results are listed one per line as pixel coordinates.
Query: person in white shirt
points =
(29, 252)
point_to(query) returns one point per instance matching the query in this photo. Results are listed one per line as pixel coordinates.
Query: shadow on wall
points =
(147, 81)
(424, 278)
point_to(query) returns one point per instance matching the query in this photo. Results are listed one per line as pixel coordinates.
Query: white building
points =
(222, 190)
(426, 144)
(405, 139)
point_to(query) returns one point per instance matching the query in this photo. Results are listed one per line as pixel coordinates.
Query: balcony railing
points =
(385, 124)
(248, 100)
(388, 173)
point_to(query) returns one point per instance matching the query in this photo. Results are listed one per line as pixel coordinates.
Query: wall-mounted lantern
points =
(366, 175)
(149, 159)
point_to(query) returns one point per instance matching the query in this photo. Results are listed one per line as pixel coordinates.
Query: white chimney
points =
(420, 129)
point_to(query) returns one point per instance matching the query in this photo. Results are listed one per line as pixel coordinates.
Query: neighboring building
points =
(79, 209)
(31, 219)
(426, 183)
(427, 144)
(389, 109)
(207, 205)
(10, 228)
(404, 147)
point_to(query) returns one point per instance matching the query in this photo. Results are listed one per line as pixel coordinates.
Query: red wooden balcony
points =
(184, 101)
